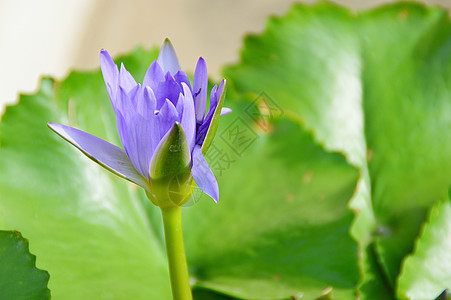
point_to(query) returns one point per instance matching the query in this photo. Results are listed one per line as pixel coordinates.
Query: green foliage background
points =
(336, 186)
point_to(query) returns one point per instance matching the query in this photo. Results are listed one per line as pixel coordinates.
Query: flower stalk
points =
(178, 268)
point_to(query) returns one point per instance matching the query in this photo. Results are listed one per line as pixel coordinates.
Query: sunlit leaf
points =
(374, 85)
(281, 227)
(425, 273)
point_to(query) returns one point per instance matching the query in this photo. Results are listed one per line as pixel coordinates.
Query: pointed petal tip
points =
(225, 111)
(153, 76)
(202, 61)
(221, 89)
(54, 126)
(188, 121)
(51, 126)
(186, 90)
(216, 199)
(110, 73)
(105, 55)
(201, 70)
(167, 58)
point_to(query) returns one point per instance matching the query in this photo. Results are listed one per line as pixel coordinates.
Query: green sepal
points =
(214, 123)
(171, 183)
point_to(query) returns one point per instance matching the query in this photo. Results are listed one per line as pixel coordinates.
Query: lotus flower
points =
(163, 126)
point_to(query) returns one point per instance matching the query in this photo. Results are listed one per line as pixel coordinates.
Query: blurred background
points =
(50, 37)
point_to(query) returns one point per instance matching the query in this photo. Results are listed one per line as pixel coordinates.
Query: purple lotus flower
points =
(162, 124)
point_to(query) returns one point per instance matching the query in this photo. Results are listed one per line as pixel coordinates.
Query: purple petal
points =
(203, 128)
(219, 93)
(167, 116)
(203, 175)
(123, 134)
(139, 133)
(124, 111)
(214, 99)
(126, 119)
(215, 96)
(124, 104)
(154, 131)
(154, 76)
(188, 120)
(126, 80)
(167, 89)
(180, 77)
(146, 141)
(147, 103)
(110, 74)
(105, 154)
(180, 103)
(200, 84)
(148, 130)
(225, 111)
(133, 95)
(167, 58)
(149, 115)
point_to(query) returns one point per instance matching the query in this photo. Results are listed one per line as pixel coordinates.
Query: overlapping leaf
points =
(374, 85)
(425, 274)
(282, 225)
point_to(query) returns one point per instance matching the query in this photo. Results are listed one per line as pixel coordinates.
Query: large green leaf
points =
(407, 106)
(376, 87)
(19, 277)
(425, 273)
(87, 226)
(282, 224)
(374, 286)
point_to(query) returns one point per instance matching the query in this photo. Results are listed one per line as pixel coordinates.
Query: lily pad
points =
(281, 227)
(425, 273)
(19, 277)
(375, 86)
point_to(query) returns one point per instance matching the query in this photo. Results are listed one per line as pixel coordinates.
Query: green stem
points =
(178, 268)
